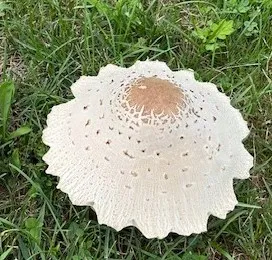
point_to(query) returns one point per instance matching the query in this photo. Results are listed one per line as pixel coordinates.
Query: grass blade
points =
(23, 130)
(7, 90)
(5, 254)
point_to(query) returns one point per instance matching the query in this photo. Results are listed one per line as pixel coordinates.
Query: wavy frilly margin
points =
(78, 91)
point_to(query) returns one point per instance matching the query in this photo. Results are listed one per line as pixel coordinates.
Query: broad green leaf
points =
(23, 130)
(243, 9)
(213, 33)
(214, 46)
(15, 158)
(31, 223)
(101, 7)
(6, 93)
(251, 28)
(75, 231)
(202, 33)
(241, 6)
(222, 29)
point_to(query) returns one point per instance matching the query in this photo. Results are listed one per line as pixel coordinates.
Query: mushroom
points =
(148, 147)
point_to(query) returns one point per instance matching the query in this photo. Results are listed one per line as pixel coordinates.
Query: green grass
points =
(46, 45)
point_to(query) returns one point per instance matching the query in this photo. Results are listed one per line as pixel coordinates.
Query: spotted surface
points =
(158, 172)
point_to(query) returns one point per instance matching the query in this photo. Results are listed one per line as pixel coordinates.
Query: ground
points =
(47, 44)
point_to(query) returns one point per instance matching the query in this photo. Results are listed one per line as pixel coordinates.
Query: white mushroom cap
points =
(148, 147)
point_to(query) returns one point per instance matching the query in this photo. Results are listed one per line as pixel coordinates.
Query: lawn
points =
(45, 45)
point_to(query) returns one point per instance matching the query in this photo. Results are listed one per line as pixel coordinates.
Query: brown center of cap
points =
(157, 95)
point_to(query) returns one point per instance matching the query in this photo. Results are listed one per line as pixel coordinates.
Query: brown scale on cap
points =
(157, 95)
